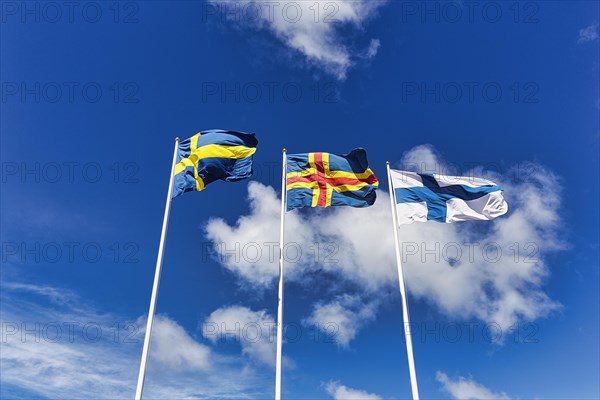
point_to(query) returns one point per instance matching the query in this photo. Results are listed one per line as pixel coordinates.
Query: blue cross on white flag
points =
(423, 197)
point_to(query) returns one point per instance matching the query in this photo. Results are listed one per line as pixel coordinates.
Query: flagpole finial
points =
(387, 163)
(284, 150)
(177, 139)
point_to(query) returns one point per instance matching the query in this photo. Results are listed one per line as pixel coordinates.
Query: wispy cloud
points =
(54, 349)
(467, 389)
(373, 48)
(588, 34)
(498, 276)
(55, 295)
(340, 392)
(313, 29)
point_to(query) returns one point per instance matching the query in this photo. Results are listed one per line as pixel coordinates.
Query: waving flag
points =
(213, 155)
(423, 197)
(325, 179)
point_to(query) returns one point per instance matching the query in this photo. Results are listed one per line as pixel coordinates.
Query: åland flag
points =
(325, 179)
(213, 155)
(423, 197)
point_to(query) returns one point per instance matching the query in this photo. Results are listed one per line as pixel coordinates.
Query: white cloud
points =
(174, 348)
(588, 34)
(373, 48)
(55, 295)
(467, 389)
(503, 290)
(54, 349)
(61, 352)
(311, 28)
(424, 159)
(341, 392)
(342, 318)
(253, 241)
(255, 330)
(342, 247)
(469, 284)
(364, 241)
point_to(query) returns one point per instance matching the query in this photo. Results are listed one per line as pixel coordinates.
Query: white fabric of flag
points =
(432, 197)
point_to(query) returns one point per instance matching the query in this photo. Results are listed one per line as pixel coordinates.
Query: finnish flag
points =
(432, 197)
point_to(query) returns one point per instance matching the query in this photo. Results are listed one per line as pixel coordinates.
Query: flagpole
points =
(407, 330)
(280, 298)
(159, 260)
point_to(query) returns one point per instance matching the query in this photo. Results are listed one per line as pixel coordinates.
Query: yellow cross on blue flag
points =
(212, 155)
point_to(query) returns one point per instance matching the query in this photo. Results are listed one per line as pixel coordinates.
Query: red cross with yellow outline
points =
(323, 181)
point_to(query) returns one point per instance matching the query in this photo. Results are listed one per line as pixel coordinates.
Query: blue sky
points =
(93, 95)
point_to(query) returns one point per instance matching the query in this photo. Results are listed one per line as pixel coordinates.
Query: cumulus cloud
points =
(492, 271)
(341, 392)
(588, 34)
(342, 318)
(467, 389)
(494, 274)
(250, 248)
(253, 329)
(174, 348)
(310, 28)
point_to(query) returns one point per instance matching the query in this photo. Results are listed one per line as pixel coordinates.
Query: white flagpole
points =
(407, 331)
(161, 247)
(280, 301)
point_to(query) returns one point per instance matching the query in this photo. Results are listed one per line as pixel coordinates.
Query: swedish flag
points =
(213, 155)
